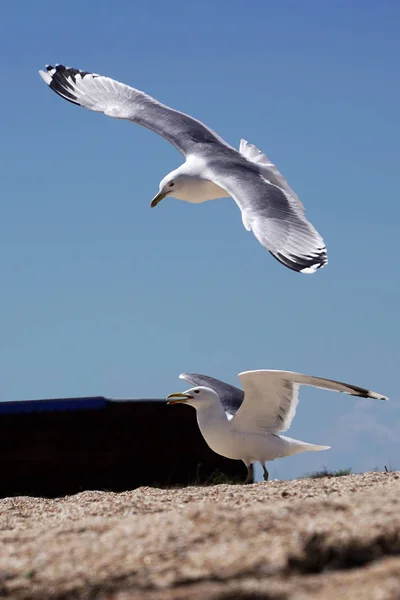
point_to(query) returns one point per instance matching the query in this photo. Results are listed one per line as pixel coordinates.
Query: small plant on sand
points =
(326, 473)
(217, 477)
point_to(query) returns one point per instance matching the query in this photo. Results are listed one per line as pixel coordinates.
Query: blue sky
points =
(102, 295)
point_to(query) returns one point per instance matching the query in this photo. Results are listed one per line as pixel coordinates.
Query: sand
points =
(328, 538)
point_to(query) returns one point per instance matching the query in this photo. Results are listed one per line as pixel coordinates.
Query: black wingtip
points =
(63, 80)
(364, 393)
(303, 264)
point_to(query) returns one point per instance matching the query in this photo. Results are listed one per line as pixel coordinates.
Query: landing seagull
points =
(212, 169)
(247, 424)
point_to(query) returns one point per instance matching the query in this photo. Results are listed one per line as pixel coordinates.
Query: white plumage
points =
(253, 433)
(213, 169)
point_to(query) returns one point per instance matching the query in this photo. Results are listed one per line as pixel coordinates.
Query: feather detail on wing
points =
(231, 397)
(276, 219)
(271, 398)
(118, 100)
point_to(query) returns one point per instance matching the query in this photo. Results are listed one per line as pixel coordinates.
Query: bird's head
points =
(198, 397)
(176, 184)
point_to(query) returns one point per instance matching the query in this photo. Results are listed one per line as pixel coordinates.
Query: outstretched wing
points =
(276, 218)
(231, 397)
(121, 101)
(271, 397)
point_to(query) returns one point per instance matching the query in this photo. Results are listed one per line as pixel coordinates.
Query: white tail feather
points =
(252, 153)
(315, 448)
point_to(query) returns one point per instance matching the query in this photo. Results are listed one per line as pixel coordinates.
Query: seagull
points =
(212, 169)
(247, 424)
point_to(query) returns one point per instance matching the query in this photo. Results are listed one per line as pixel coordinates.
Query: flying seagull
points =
(212, 169)
(247, 424)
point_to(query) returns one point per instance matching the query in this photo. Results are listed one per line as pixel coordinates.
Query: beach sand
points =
(327, 538)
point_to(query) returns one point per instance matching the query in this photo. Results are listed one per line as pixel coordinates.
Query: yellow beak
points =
(157, 199)
(178, 398)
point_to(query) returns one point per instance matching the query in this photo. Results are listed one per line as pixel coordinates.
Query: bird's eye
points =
(197, 391)
(171, 184)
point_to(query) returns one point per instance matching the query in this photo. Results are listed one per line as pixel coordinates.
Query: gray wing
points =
(276, 218)
(231, 397)
(121, 101)
(267, 167)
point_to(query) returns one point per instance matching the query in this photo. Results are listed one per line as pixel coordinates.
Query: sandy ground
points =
(329, 538)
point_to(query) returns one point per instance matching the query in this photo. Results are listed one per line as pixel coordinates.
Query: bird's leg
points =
(266, 474)
(249, 478)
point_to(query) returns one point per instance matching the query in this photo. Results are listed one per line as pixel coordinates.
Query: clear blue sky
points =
(102, 295)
